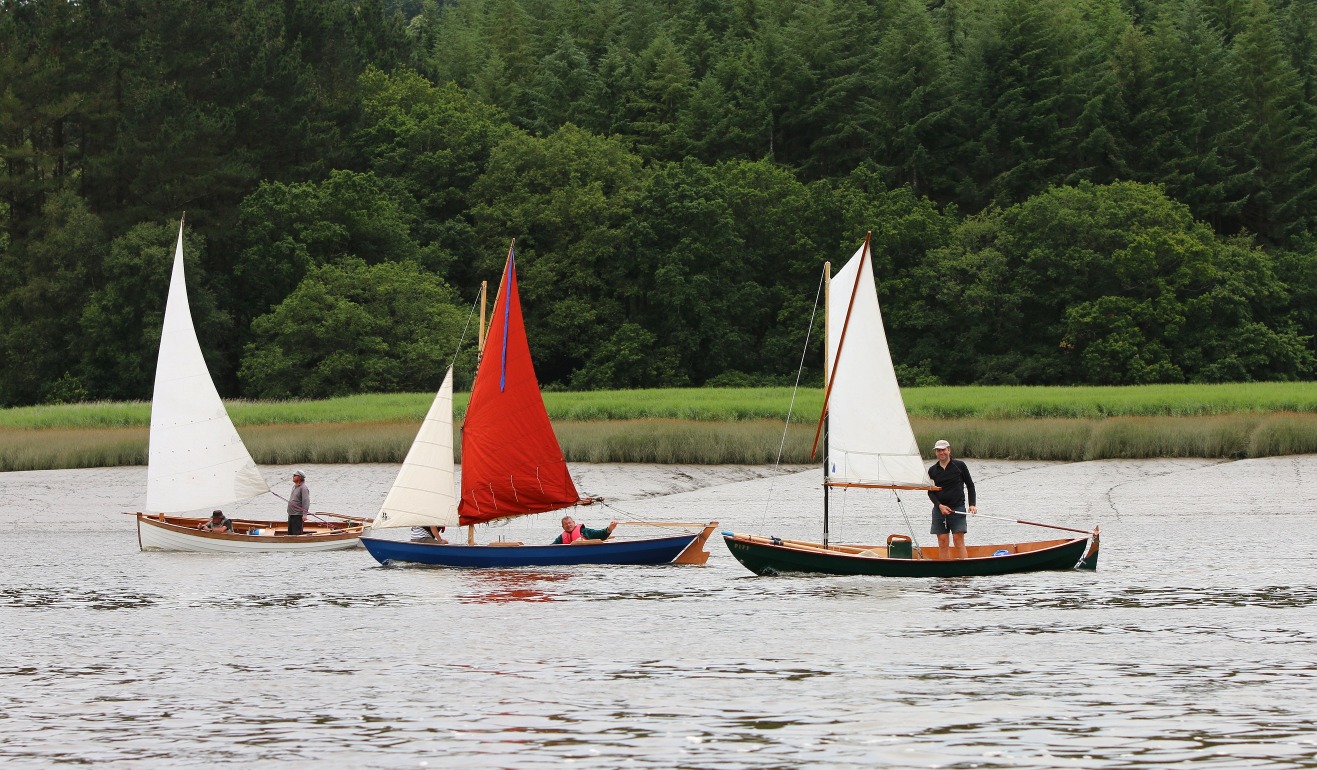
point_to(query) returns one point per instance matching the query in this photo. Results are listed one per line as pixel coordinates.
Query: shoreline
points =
(664, 441)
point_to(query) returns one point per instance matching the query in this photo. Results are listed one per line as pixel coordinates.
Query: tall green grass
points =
(744, 442)
(733, 404)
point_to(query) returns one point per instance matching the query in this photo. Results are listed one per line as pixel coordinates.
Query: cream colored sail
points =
(196, 459)
(423, 494)
(869, 436)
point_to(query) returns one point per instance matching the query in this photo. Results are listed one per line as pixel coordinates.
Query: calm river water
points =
(1193, 645)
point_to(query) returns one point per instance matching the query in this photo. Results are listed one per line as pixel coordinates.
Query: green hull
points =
(764, 557)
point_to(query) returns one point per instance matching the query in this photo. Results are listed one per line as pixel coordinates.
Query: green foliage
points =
(566, 199)
(292, 229)
(44, 279)
(353, 327)
(120, 324)
(1110, 284)
(676, 173)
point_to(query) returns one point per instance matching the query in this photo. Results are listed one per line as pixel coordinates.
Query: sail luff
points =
(424, 494)
(512, 464)
(870, 438)
(196, 459)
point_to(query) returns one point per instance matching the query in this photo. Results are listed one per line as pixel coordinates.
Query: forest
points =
(1060, 192)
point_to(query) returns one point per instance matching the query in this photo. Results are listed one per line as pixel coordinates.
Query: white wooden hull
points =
(176, 534)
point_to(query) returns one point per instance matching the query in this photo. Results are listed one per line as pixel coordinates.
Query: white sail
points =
(869, 436)
(423, 494)
(196, 459)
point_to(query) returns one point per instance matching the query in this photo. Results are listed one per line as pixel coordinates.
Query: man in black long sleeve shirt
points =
(949, 502)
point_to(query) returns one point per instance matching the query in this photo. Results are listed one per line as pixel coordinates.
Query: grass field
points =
(732, 405)
(723, 425)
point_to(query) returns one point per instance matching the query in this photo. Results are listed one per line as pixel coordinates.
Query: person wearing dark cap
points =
(217, 523)
(299, 503)
(949, 519)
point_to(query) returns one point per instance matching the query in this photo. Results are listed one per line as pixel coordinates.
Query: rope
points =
(627, 516)
(791, 408)
(906, 515)
(452, 362)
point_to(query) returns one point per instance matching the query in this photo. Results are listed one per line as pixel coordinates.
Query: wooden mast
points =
(480, 349)
(827, 283)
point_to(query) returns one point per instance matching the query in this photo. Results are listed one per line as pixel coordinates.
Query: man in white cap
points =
(949, 502)
(299, 503)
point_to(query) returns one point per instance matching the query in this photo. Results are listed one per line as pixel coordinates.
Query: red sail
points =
(512, 464)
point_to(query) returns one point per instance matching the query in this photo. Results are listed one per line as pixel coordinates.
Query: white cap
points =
(942, 444)
(299, 473)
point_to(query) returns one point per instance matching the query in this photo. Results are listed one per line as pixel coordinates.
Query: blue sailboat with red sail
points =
(512, 465)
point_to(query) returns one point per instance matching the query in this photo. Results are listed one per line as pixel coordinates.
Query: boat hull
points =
(764, 556)
(181, 534)
(662, 550)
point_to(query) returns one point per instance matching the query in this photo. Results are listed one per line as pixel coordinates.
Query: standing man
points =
(949, 502)
(299, 503)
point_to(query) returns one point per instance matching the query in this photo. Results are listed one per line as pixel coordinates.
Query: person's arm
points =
(932, 493)
(969, 484)
(557, 540)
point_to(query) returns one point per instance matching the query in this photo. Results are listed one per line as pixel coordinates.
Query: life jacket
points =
(575, 534)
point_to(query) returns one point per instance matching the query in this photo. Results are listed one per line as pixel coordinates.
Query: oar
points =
(1032, 523)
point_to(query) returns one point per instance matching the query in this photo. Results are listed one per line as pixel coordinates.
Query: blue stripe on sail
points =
(503, 373)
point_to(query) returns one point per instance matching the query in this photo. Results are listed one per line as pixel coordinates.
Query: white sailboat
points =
(869, 444)
(197, 460)
(423, 495)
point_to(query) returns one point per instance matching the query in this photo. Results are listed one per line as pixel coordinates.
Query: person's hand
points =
(973, 509)
(946, 509)
(612, 525)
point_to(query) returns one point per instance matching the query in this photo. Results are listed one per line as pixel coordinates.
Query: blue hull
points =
(652, 551)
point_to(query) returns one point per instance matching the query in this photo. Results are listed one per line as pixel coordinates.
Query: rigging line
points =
(906, 515)
(461, 340)
(804, 353)
(633, 517)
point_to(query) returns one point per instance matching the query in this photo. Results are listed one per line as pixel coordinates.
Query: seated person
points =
(428, 534)
(217, 523)
(571, 532)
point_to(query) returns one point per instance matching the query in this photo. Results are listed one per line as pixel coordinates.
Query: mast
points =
(827, 283)
(480, 352)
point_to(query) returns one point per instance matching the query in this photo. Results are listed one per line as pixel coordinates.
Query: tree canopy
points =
(1060, 192)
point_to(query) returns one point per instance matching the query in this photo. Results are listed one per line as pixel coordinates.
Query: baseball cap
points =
(942, 444)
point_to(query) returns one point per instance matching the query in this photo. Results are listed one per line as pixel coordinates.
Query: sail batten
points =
(512, 464)
(424, 492)
(870, 441)
(196, 459)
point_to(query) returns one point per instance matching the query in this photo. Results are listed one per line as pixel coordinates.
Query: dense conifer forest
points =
(1060, 191)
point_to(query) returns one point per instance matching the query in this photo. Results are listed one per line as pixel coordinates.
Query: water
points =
(1191, 646)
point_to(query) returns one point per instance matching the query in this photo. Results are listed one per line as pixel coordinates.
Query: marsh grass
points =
(31, 450)
(670, 441)
(733, 405)
(745, 442)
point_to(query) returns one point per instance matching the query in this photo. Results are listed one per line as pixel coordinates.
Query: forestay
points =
(870, 441)
(196, 458)
(424, 494)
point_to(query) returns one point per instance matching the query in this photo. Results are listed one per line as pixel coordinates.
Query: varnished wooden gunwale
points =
(318, 531)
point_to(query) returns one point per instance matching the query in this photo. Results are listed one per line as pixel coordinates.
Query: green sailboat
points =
(868, 444)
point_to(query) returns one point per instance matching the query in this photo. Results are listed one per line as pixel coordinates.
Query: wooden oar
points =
(804, 544)
(1033, 523)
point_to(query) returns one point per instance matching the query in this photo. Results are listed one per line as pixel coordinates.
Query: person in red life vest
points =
(571, 532)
